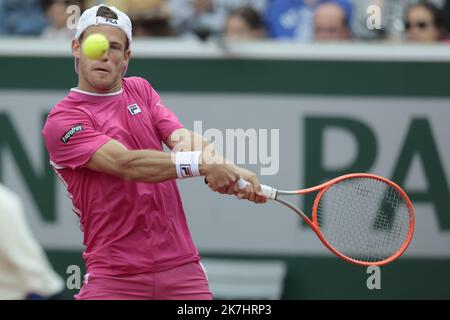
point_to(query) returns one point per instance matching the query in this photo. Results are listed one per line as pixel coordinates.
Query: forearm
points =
(148, 166)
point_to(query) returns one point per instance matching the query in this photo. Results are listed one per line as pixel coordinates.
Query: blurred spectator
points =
(56, 12)
(392, 17)
(152, 26)
(244, 23)
(119, 4)
(330, 23)
(197, 17)
(130, 6)
(424, 22)
(21, 17)
(446, 9)
(294, 19)
(258, 5)
(204, 18)
(150, 17)
(25, 272)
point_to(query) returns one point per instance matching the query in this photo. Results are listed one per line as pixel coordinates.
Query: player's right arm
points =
(73, 142)
(135, 165)
(151, 166)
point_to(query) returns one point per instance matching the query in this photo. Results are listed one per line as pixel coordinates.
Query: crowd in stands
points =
(283, 20)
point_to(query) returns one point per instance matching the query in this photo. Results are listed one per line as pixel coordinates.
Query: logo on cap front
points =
(101, 20)
(112, 21)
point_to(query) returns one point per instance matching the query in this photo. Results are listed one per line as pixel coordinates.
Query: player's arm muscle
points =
(135, 165)
(186, 140)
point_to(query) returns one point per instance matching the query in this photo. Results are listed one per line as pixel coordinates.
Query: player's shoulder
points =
(138, 83)
(65, 105)
(65, 111)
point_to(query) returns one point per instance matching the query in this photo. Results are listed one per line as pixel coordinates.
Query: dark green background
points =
(428, 79)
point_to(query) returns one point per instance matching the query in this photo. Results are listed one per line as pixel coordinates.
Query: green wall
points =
(427, 79)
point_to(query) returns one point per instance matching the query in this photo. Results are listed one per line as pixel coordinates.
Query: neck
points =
(85, 86)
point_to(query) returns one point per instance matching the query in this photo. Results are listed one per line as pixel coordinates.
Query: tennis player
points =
(105, 141)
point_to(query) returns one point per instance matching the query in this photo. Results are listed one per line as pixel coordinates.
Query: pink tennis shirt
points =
(129, 227)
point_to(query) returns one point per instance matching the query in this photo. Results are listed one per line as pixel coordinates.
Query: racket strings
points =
(364, 219)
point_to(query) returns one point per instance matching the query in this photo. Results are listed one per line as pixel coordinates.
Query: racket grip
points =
(269, 192)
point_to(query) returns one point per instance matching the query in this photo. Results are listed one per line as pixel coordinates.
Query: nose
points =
(105, 56)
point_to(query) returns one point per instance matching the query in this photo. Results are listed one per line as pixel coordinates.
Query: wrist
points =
(187, 164)
(206, 161)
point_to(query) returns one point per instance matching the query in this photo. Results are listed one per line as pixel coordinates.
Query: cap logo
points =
(101, 20)
(112, 21)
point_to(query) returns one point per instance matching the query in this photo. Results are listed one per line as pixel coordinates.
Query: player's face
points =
(103, 75)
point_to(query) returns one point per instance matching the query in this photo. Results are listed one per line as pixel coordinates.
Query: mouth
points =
(101, 70)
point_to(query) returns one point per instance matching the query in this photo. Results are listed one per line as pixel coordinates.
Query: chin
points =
(102, 84)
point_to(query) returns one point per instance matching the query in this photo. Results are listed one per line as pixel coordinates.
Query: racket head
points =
(364, 219)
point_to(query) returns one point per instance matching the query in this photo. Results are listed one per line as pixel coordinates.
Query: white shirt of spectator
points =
(24, 268)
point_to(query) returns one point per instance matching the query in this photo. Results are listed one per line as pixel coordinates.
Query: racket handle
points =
(269, 192)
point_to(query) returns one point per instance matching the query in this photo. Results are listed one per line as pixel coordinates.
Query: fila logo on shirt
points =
(134, 109)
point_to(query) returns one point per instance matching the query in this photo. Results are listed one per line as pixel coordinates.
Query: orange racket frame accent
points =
(315, 226)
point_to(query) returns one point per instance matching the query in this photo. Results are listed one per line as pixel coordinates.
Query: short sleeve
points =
(71, 139)
(164, 119)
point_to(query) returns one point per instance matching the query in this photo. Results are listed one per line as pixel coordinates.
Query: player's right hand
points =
(220, 174)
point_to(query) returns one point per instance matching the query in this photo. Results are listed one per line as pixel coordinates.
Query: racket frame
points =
(274, 194)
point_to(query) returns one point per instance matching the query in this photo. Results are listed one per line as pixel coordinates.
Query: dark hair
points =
(249, 15)
(106, 12)
(438, 16)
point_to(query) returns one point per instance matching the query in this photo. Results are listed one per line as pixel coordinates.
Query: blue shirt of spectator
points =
(293, 19)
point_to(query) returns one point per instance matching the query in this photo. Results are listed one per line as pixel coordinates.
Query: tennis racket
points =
(362, 218)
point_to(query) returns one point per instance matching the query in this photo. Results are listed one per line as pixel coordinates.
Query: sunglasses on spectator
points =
(420, 25)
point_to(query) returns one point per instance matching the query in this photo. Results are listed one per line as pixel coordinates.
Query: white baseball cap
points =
(90, 18)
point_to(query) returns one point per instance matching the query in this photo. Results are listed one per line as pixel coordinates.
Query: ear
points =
(127, 55)
(126, 61)
(76, 46)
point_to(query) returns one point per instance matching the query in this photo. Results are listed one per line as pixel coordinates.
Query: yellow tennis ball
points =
(95, 46)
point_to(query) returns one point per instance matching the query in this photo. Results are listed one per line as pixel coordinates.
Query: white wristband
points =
(187, 164)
